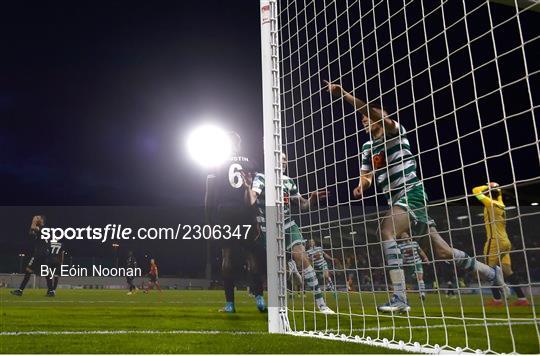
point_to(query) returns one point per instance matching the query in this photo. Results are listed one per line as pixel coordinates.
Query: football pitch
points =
(109, 321)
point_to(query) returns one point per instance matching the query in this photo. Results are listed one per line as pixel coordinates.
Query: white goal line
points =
(225, 332)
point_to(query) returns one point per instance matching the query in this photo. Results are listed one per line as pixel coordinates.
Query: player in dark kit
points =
(54, 260)
(38, 256)
(226, 206)
(131, 262)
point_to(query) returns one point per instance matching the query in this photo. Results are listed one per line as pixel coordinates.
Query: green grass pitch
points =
(109, 321)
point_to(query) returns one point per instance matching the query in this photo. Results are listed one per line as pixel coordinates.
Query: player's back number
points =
(235, 175)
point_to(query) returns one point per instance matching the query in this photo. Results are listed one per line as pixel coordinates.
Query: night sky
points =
(96, 100)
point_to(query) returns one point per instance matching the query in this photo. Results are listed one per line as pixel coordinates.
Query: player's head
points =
(311, 243)
(372, 125)
(494, 190)
(152, 261)
(235, 140)
(38, 221)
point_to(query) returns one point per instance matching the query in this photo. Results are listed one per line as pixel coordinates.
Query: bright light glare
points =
(209, 145)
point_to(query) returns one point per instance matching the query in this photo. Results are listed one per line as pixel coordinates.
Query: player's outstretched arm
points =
(367, 110)
(311, 202)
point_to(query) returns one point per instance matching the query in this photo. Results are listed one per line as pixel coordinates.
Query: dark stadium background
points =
(96, 99)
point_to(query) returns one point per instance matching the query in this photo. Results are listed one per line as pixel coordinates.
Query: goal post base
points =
(394, 345)
(278, 321)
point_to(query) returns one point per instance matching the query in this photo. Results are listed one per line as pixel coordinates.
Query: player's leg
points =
(301, 258)
(492, 260)
(53, 263)
(227, 271)
(394, 224)
(514, 282)
(50, 286)
(463, 261)
(350, 281)
(131, 285)
(419, 276)
(255, 260)
(27, 274)
(328, 279)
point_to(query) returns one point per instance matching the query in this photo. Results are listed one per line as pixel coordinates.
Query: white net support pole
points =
(275, 245)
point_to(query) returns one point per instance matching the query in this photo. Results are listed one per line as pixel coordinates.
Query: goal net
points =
(435, 97)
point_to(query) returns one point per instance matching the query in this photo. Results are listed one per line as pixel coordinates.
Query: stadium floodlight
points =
(534, 204)
(209, 145)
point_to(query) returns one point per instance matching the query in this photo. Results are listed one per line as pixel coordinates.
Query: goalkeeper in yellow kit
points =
(498, 246)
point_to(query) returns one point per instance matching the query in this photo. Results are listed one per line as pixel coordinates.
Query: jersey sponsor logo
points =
(379, 160)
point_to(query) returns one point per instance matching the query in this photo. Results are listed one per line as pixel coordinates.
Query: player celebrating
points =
(225, 205)
(293, 236)
(387, 158)
(38, 256)
(498, 243)
(318, 258)
(413, 256)
(153, 276)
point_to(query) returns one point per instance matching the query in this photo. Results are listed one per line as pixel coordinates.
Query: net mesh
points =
(462, 78)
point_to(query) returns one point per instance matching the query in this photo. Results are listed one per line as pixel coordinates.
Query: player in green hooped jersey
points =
(388, 161)
(293, 236)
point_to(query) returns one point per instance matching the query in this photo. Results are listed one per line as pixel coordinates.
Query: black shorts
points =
(53, 262)
(152, 278)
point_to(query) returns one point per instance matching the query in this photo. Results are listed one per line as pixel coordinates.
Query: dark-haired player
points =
(38, 256)
(498, 244)
(225, 205)
(387, 159)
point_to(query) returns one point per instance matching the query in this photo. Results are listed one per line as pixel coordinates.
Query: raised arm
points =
(251, 193)
(485, 198)
(374, 114)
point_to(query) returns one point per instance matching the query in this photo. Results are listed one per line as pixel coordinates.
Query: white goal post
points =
(461, 81)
